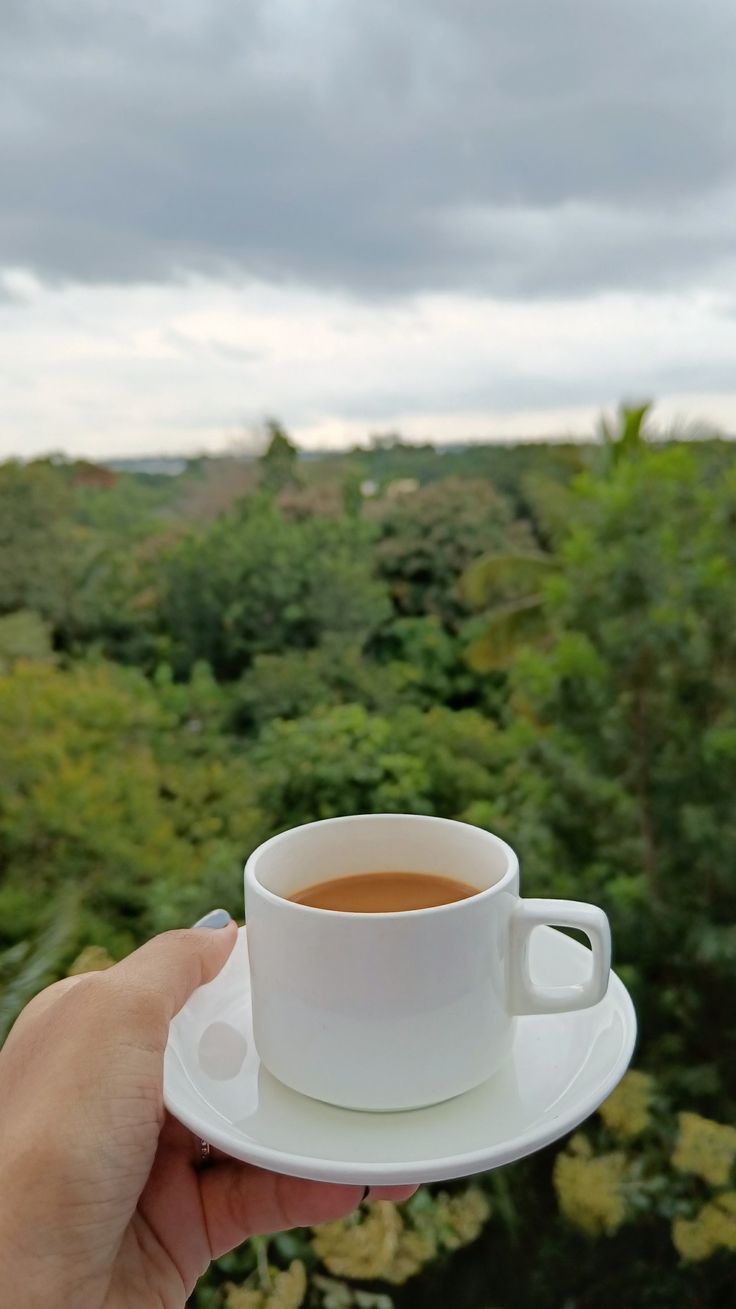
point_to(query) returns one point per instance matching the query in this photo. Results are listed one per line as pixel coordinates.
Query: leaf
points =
(714, 944)
(494, 574)
(41, 963)
(509, 626)
(633, 419)
(12, 958)
(629, 437)
(23, 635)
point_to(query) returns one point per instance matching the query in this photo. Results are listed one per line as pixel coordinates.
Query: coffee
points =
(384, 893)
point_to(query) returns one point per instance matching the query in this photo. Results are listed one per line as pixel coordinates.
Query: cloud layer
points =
(521, 149)
(194, 364)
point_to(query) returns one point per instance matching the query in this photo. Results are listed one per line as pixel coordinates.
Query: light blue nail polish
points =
(216, 918)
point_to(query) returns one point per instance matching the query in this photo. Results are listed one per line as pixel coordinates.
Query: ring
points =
(205, 1152)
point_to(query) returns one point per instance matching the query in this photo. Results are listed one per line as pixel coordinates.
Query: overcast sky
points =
(455, 217)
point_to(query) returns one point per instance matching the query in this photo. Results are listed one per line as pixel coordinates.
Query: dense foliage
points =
(538, 640)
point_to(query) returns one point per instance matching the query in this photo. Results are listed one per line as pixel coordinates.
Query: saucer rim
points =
(396, 1172)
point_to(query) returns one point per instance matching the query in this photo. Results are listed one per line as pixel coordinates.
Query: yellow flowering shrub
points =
(380, 1243)
(597, 1192)
(287, 1291)
(705, 1148)
(713, 1228)
(243, 1297)
(627, 1111)
(362, 1246)
(414, 1250)
(335, 1294)
(589, 1187)
(461, 1218)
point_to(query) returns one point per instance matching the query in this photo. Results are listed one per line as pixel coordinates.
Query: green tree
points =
(428, 538)
(346, 760)
(74, 555)
(23, 636)
(511, 585)
(428, 662)
(626, 735)
(35, 539)
(254, 583)
(278, 463)
(291, 685)
(105, 792)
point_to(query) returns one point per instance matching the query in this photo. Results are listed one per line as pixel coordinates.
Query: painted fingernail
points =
(216, 918)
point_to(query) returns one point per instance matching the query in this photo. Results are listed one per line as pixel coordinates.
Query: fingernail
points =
(216, 918)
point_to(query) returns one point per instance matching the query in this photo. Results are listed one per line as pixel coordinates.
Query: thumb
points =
(173, 965)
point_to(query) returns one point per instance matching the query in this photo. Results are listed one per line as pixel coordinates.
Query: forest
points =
(537, 638)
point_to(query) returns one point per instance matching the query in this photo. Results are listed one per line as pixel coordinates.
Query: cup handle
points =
(525, 996)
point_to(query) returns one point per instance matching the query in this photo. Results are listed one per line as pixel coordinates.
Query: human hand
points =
(102, 1203)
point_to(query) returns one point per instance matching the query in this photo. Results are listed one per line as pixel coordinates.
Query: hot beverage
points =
(384, 893)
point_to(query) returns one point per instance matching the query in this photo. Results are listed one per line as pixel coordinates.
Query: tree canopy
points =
(537, 639)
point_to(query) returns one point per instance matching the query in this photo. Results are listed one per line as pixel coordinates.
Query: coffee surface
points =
(382, 893)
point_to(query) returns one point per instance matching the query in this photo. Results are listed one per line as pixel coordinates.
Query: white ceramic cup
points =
(385, 1011)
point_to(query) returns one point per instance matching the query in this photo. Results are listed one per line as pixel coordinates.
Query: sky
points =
(459, 219)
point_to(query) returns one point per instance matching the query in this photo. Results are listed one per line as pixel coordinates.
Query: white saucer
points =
(561, 1068)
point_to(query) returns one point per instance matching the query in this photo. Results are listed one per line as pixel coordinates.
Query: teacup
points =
(389, 1011)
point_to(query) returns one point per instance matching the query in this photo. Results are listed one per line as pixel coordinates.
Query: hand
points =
(102, 1205)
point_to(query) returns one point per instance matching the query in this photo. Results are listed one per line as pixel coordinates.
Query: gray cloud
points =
(521, 149)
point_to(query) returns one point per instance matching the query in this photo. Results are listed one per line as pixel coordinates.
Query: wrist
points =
(32, 1274)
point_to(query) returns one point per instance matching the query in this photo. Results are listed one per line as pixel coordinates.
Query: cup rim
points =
(380, 916)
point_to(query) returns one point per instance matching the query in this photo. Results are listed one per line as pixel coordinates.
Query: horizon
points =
(251, 450)
(309, 454)
(663, 425)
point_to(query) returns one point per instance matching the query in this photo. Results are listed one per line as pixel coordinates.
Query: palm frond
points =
(509, 626)
(628, 436)
(39, 964)
(496, 574)
(12, 958)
